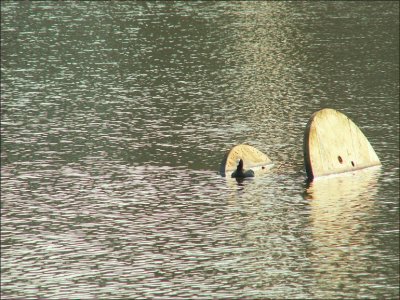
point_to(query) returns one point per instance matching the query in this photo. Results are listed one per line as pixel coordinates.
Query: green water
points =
(115, 117)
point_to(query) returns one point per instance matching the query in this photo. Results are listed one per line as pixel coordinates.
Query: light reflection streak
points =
(341, 207)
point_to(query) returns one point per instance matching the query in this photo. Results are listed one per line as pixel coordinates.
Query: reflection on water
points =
(114, 121)
(343, 251)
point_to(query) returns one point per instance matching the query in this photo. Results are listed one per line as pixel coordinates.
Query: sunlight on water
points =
(115, 119)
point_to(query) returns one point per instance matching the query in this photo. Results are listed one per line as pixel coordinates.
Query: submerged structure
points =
(247, 158)
(333, 144)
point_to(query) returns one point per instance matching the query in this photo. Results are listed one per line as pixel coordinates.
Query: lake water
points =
(115, 118)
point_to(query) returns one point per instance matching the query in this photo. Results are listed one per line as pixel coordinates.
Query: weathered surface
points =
(334, 144)
(252, 159)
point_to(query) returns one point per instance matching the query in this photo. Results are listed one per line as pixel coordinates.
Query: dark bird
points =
(240, 172)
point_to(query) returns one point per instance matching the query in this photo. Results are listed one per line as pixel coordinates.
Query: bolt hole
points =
(352, 163)
(340, 159)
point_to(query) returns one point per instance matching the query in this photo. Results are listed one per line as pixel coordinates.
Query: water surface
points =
(114, 121)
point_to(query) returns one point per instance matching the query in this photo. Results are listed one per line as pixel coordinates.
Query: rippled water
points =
(115, 119)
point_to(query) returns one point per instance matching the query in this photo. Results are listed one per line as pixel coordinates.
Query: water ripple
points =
(115, 119)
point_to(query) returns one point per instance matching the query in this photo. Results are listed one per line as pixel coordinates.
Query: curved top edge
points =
(251, 156)
(331, 141)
